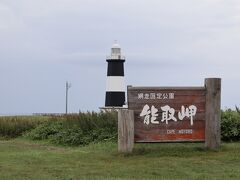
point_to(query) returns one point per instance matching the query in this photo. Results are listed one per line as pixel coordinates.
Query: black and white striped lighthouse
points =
(115, 90)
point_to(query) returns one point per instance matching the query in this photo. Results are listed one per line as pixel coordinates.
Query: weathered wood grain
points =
(213, 113)
(125, 130)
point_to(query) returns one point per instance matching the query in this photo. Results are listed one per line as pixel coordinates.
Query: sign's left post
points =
(125, 130)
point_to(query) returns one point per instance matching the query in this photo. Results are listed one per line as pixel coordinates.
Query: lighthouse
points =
(115, 89)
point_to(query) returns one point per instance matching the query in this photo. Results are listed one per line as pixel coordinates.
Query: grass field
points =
(25, 159)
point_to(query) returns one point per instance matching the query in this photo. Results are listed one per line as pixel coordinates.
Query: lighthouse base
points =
(112, 109)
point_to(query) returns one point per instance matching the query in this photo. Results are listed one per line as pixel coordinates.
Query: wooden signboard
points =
(168, 114)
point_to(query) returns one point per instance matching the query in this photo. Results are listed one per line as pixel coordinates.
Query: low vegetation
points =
(78, 129)
(84, 128)
(14, 126)
(230, 125)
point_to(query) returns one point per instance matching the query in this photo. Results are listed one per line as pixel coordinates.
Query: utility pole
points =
(68, 85)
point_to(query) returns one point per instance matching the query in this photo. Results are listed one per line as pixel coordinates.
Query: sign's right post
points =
(213, 113)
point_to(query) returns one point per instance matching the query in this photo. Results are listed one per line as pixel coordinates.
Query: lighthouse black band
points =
(115, 99)
(115, 68)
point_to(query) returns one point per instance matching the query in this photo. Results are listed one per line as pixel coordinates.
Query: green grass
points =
(25, 159)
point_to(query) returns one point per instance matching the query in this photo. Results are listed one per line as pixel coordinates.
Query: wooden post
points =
(213, 113)
(125, 130)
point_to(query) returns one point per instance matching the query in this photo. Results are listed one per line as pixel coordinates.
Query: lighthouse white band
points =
(115, 84)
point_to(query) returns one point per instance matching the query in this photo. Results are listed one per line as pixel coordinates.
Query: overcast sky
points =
(44, 43)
